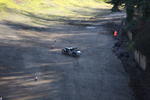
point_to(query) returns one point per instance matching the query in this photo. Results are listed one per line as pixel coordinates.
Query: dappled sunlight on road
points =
(35, 57)
(32, 66)
(27, 88)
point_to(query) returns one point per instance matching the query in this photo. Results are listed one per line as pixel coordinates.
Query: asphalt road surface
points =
(33, 68)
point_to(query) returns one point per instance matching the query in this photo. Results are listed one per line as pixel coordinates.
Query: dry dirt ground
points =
(27, 52)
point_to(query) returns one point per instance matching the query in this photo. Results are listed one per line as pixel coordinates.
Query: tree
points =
(116, 4)
(145, 5)
(142, 6)
(130, 4)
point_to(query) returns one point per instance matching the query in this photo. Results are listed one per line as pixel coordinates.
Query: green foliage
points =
(130, 45)
(138, 20)
(145, 5)
(116, 4)
(103, 0)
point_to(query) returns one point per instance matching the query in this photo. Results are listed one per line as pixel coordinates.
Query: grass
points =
(51, 9)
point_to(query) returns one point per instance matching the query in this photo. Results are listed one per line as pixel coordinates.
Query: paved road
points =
(27, 54)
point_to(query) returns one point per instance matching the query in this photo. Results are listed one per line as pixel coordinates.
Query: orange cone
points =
(115, 33)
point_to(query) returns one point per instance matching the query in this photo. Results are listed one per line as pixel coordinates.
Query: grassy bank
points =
(25, 10)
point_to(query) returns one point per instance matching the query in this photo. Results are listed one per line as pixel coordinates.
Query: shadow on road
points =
(17, 75)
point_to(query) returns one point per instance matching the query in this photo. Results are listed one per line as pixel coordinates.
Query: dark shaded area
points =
(15, 76)
(142, 37)
(139, 79)
(142, 43)
(21, 26)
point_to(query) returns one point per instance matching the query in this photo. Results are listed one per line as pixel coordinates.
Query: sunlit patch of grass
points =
(52, 9)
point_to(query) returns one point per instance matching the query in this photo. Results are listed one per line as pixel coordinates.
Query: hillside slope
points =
(50, 9)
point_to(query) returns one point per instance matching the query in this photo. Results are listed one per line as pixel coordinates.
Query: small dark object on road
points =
(1, 98)
(118, 44)
(36, 78)
(71, 51)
